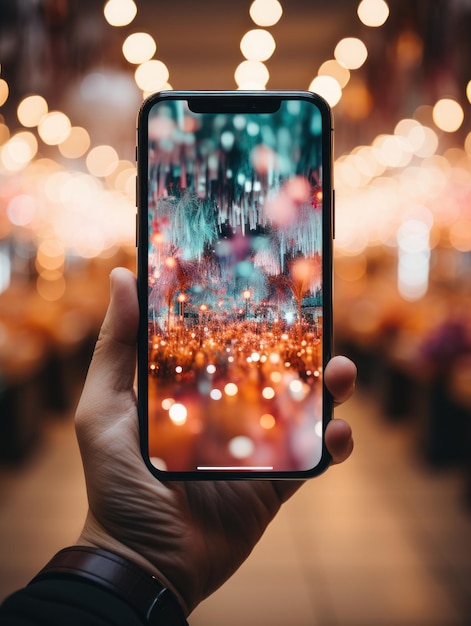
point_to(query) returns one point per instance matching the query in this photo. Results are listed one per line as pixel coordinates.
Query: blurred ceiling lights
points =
(417, 189)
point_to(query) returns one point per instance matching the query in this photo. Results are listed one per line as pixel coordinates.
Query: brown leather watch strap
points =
(154, 603)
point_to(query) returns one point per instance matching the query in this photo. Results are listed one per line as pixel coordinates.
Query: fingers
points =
(339, 441)
(108, 390)
(114, 358)
(340, 376)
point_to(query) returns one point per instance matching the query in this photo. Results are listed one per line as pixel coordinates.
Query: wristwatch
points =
(155, 604)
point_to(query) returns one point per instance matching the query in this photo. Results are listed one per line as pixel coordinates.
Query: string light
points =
(257, 45)
(151, 76)
(336, 70)
(448, 115)
(328, 88)
(373, 13)
(139, 47)
(266, 12)
(363, 167)
(351, 52)
(54, 128)
(31, 111)
(102, 160)
(120, 12)
(4, 91)
(20, 149)
(251, 75)
(76, 144)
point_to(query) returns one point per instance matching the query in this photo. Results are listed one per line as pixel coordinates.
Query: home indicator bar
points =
(238, 467)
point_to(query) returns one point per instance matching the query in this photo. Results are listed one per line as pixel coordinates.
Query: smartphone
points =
(235, 226)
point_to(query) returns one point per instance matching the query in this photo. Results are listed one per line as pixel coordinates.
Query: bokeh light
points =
(257, 45)
(448, 115)
(50, 255)
(120, 12)
(460, 234)
(351, 52)
(266, 12)
(327, 87)
(178, 413)
(267, 421)
(4, 91)
(102, 160)
(54, 128)
(413, 239)
(231, 389)
(468, 91)
(51, 286)
(76, 144)
(251, 75)
(4, 134)
(21, 210)
(18, 151)
(467, 144)
(31, 110)
(373, 13)
(268, 393)
(241, 447)
(336, 70)
(139, 47)
(151, 76)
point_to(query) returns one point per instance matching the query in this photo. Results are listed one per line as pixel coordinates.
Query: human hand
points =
(191, 535)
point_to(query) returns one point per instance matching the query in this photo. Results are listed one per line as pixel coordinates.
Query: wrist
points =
(154, 603)
(95, 536)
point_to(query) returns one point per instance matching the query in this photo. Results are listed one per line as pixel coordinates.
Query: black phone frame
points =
(232, 101)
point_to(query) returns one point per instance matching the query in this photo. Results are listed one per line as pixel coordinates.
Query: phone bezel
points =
(239, 100)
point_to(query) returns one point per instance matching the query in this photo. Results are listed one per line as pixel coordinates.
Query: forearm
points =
(84, 586)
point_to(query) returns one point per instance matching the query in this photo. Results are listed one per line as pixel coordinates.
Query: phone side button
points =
(137, 230)
(333, 213)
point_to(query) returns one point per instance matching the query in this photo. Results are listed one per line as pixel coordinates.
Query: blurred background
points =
(385, 539)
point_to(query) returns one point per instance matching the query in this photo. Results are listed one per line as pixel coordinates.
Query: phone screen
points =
(235, 254)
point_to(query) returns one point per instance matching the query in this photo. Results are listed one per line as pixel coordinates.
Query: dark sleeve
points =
(66, 602)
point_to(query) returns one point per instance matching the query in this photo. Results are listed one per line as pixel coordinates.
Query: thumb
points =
(108, 389)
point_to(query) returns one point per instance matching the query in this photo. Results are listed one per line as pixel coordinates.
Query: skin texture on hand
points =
(191, 535)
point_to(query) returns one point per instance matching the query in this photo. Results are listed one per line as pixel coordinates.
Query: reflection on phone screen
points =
(235, 294)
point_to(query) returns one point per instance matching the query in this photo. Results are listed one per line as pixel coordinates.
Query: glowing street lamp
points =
(247, 295)
(182, 299)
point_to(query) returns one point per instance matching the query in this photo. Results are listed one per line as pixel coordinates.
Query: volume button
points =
(333, 213)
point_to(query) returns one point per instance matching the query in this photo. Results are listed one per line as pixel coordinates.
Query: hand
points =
(191, 535)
